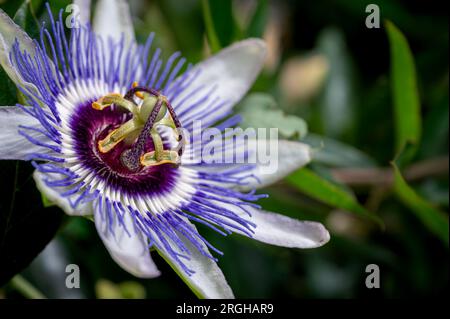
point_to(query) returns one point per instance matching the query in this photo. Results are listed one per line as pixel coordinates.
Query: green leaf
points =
(46, 202)
(186, 35)
(26, 226)
(337, 154)
(337, 103)
(435, 126)
(404, 91)
(223, 20)
(26, 16)
(211, 33)
(432, 218)
(8, 90)
(260, 110)
(25, 288)
(106, 289)
(257, 24)
(10, 7)
(324, 191)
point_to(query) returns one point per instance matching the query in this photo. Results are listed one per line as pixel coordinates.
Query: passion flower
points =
(103, 125)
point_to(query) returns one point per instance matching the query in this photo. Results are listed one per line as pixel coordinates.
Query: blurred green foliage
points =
(373, 93)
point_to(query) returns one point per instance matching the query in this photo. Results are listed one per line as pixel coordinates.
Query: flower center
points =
(154, 110)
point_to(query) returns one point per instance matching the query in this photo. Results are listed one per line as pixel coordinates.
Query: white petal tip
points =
(257, 42)
(148, 273)
(280, 230)
(255, 47)
(318, 233)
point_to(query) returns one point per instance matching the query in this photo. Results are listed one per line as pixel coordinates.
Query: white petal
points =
(54, 196)
(131, 250)
(274, 159)
(233, 70)
(84, 7)
(289, 157)
(113, 19)
(208, 280)
(9, 33)
(280, 230)
(14, 146)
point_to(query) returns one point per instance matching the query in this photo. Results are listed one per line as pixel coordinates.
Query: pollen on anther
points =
(138, 94)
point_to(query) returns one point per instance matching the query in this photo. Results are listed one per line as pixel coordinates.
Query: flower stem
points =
(213, 39)
(26, 288)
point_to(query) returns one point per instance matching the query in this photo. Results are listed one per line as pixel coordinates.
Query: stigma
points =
(153, 110)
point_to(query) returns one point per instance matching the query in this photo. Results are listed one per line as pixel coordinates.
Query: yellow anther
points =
(116, 99)
(96, 105)
(106, 101)
(109, 142)
(166, 157)
(117, 135)
(138, 94)
(159, 155)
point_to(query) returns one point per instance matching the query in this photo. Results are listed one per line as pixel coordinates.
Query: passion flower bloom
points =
(98, 126)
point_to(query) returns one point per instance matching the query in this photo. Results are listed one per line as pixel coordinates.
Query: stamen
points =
(138, 94)
(146, 117)
(159, 155)
(116, 99)
(135, 89)
(167, 157)
(131, 157)
(117, 135)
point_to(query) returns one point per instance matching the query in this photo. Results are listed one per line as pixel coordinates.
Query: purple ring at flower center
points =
(88, 127)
